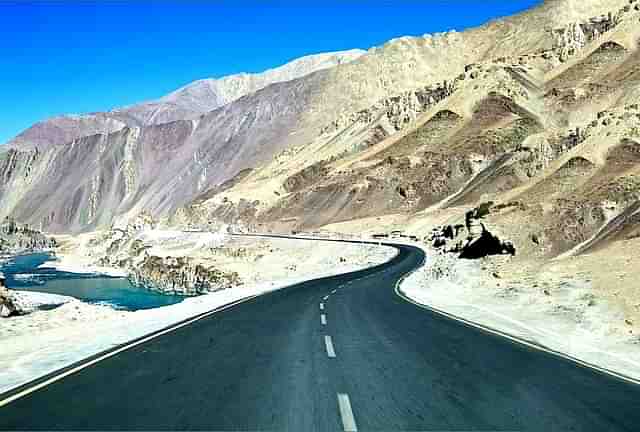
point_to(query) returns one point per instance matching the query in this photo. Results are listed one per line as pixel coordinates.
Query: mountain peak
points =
(188, 102)
(208, 94)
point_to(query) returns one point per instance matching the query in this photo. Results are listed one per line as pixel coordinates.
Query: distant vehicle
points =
(192, 229)
(379, 236)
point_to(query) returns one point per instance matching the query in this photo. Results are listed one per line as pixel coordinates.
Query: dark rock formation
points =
(486, 244)
(480, 242)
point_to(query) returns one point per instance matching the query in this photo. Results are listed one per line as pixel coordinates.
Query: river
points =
(23, 272)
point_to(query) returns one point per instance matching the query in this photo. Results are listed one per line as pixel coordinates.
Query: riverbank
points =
(46, 340)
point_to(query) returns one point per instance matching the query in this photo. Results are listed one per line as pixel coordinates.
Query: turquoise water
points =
(22, 273)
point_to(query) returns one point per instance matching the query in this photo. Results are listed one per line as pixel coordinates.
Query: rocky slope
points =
(188, 102)
(536, 114)
(549, 134)
(80, 172)
(111, 172)
(537, 121)
(16, 239)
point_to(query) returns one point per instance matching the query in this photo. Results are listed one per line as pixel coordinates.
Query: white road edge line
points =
(141, 341)
(323, 319)
(346, 413)
(329, 344)
(118, 351)
(321, 306)
(512, 338)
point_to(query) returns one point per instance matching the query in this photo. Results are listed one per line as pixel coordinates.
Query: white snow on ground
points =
(75, 256)
(569, 323)
(44, 341)
(29, 301)
(171, 243)
(79, 252)
(75, 264)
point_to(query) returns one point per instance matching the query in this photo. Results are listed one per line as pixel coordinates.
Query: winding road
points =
(343, 353)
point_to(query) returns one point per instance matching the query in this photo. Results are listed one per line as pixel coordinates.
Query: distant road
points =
(335, 354)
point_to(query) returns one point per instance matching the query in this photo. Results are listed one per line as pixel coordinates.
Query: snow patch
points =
(570, 323)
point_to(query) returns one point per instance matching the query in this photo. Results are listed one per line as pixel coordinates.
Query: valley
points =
(506, 155)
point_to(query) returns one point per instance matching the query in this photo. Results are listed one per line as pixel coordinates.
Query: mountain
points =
(544, 123)
(504, 112)
(188, 102)
(206, 95)
(521, 136)
(209, 94)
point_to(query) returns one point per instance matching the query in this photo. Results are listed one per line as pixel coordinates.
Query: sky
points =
(64, 57)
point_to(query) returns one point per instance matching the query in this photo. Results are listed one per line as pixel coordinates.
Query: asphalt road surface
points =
(340, 353)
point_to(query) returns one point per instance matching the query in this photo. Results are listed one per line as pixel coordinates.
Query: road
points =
(340, 353)
(611, 229)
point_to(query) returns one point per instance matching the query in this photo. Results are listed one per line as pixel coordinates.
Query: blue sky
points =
(62, 57)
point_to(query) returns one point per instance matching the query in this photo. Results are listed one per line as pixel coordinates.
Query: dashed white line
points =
(323, 319)
(334, 291)
(325, 297)
(329, 344)
(321, 306)
(346, 413)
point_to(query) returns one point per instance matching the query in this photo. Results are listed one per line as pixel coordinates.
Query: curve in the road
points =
(266, 364)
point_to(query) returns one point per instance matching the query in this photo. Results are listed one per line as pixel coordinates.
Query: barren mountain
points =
(532, 121)
(206, 95)
(188, 102)
(513, 122)
(511, 150)
(508, 112)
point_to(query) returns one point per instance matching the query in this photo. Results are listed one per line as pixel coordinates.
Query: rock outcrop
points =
(399, 111)
(171, 275)
(8, 306)
(132, 247)
(16, 238)
(188, 102)
(479, 241)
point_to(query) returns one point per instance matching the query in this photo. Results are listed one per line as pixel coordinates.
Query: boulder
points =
(480, 242)
(448, 232)
(486, 244)
(180, 275)
(439, 241)
(8, 307)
